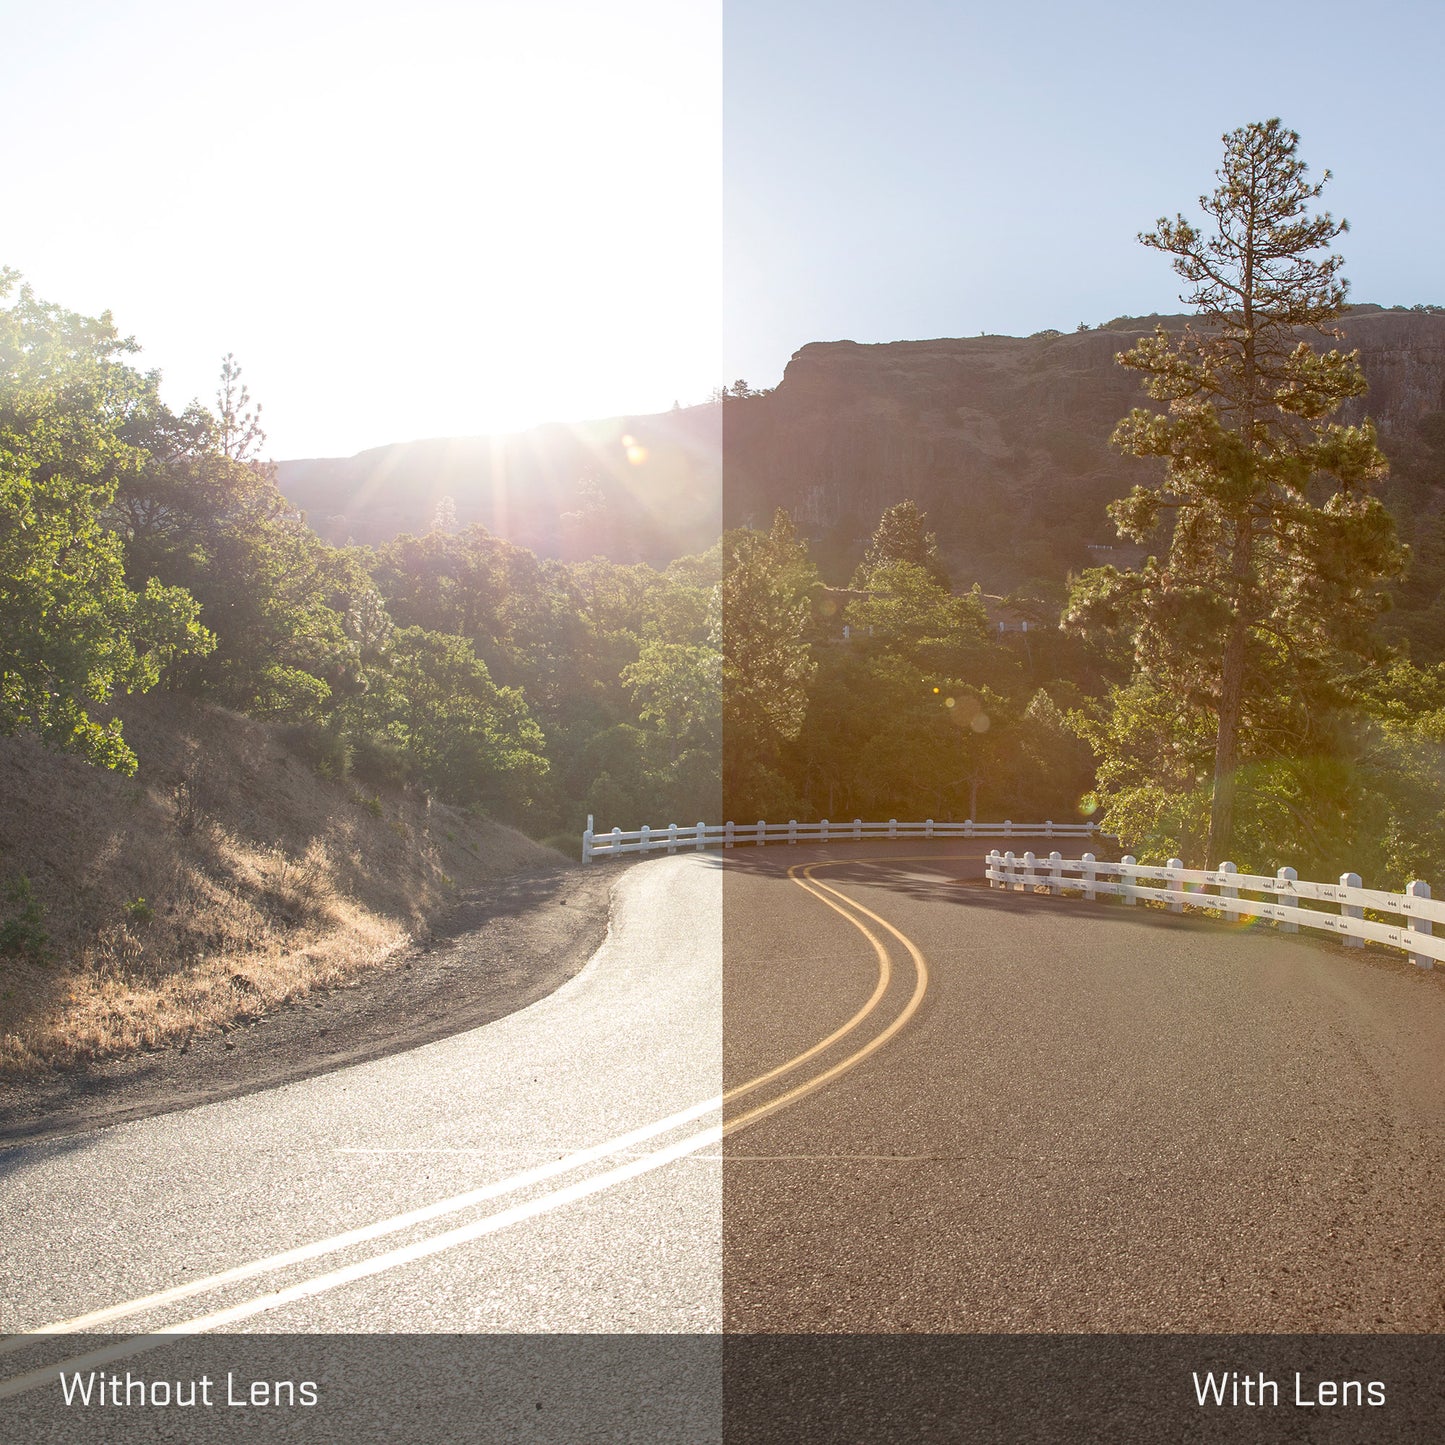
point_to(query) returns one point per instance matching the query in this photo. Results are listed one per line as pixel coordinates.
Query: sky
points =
(456, 218)
(920, 170)
(404, 220)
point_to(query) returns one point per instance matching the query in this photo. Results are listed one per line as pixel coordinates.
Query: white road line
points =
(351, 1237)
(377, 1264)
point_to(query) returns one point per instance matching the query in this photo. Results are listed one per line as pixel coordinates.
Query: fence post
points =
(823, 834)
(1089, 876)
(672, 837)
(1176, 901)
(993, 865)
(1008, 828)
(728, 834)
(968, 829)
(1048, 828)
(792, 832)
(1286, 876)
(587, 840)
(1010, 870)
(1056, 873)
(1351, 880)
(762, 833)
(701, 835)
(617, 841)
(1227, 891)
(893, 827)
(857, 828)
(1030, 869)
(1128, 862)
(928, 828)
(1417, 889)
(644, 843)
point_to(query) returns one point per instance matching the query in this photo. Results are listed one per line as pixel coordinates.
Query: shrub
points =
(139, 911)
(23, 934)
(380, 764)
(325, 750)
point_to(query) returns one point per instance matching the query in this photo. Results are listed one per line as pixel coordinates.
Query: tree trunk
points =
(1231, 704)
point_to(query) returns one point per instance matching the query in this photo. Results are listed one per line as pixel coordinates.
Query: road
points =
(943, 1109)
(556, 1171)
(1096, 1120)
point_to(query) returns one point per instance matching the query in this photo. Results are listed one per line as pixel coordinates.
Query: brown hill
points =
(1004, 440)
(633, 488)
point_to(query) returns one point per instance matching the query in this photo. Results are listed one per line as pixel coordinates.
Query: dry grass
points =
(223, 878)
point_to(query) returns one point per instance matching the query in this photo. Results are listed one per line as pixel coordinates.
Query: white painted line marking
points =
(352, 1237)
(377, 1264)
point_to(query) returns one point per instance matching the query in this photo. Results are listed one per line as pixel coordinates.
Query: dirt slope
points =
(222, 879)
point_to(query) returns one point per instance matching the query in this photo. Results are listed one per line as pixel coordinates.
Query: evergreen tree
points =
(902, 535)
(1277, 549)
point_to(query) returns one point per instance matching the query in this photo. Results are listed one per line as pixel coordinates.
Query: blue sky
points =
(462, 216)
(918, 170)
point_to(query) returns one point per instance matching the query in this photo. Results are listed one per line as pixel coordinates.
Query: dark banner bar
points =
(738, 1389)
(1022, 1389)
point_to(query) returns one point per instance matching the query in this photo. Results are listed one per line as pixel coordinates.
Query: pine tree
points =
(902, 535)
(1277, 548)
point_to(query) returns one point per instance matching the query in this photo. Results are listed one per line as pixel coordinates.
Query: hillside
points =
(1004, 440)
(639, 488)
(224, 878)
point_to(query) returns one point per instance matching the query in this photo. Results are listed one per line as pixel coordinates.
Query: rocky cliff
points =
(1003, 440)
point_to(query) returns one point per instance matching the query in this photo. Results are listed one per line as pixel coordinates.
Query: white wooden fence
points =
(728, 835)
(1290, 902)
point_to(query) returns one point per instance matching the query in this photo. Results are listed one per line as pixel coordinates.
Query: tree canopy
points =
(73, 634)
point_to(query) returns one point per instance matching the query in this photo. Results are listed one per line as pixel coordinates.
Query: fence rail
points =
(672, 838)
(1283, 898)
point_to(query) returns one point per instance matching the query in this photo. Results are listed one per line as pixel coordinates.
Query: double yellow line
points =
(840, 903)
(801, 874)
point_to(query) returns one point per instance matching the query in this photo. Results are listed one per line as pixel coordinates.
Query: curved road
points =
(809, 1092)
(1097, 1121)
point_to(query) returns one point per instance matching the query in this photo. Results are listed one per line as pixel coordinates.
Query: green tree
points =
(72, 633)
(902, 535)
(767, 663)
(473, 742)
(1277, 549)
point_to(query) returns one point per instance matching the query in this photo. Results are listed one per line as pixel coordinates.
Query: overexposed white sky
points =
(404, 219)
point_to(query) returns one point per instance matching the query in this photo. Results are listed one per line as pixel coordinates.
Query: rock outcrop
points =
(1003, 440)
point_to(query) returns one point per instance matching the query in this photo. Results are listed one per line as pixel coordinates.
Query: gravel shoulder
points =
(501, 948)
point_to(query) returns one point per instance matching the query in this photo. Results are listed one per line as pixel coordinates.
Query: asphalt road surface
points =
(555, 1171)
(796, 1091)
(1095, 1119)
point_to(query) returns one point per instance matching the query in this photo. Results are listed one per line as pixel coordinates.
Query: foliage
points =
(22, 933)
(902, 536)
(472, 741)
(766, 661)
(1276, 548)
(72, 633)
